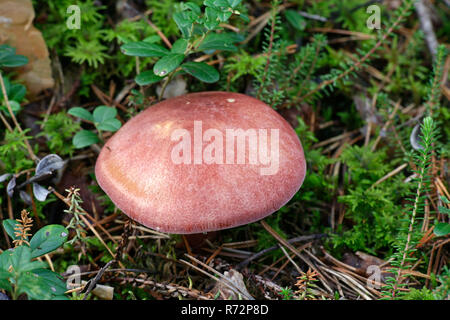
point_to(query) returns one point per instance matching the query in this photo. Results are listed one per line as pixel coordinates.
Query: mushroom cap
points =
(136, 167)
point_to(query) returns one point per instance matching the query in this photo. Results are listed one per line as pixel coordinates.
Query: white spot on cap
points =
(231, 100)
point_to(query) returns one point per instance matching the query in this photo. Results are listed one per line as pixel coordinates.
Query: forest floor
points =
(364, 84)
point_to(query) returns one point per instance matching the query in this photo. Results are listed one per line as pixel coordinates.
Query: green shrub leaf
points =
(81, 113)
(110, 125)
(9, 225)
(13, 60)
(103, 113)
(295, 19)
(167, 64)
(84, 138)
(442, 229)
(201, 71)
(220, 41)
(143, 49)
(48, 239)
(147, 77)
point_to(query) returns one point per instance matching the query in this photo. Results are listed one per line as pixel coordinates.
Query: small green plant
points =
(83, 45)
(287, 293)
(103, 118)
(13, 151)
(198, 35)
(14, 91)
(408, 236)
(419, 294)
(59, 129)
(306, 284)
(20, 272)
(76, 211)
(9, 58)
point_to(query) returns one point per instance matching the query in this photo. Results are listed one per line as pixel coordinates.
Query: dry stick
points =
(386, 125)
(16, 123)
(333, 139)
(10, 211)
(361, 61)
(267, 250)
(94, 281)
(390, 174)
(291, 260)
(169, 289)
(290, 247)
(222, 279)
(351, 282)
(5, 123)
(430, 264)
(284, 265)
(261, 22)
(361, 35)
(163, 37)
(362, 279)
(427, 27)
(442, 188)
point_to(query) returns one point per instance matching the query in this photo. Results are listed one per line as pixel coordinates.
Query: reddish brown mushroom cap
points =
(140, 170)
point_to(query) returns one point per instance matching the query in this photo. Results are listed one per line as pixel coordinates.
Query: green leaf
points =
(20, 257)
(167, 64)
(152, 39)
(183, 23)
(84, 138)
(103, 113)
(15, 107)
(244, 17)
(16, 92)
(32, 265)
(110, 125)
(295, 19)
(234, 3)
(6, 50)
(147, 77)
(5, 259)
(442, 229)
(143, 49)
(192, 6)
(33, 286)
(53, 282)
(444, 210)
(212, 18)
(4, 280)
(220, 41)
(48, 239)
(9, 225)
(179, 46)
(201, 71)
(81, 113)
(11, 61)
(216, 3)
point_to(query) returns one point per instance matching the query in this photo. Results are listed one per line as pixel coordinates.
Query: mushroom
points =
(202, 162)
